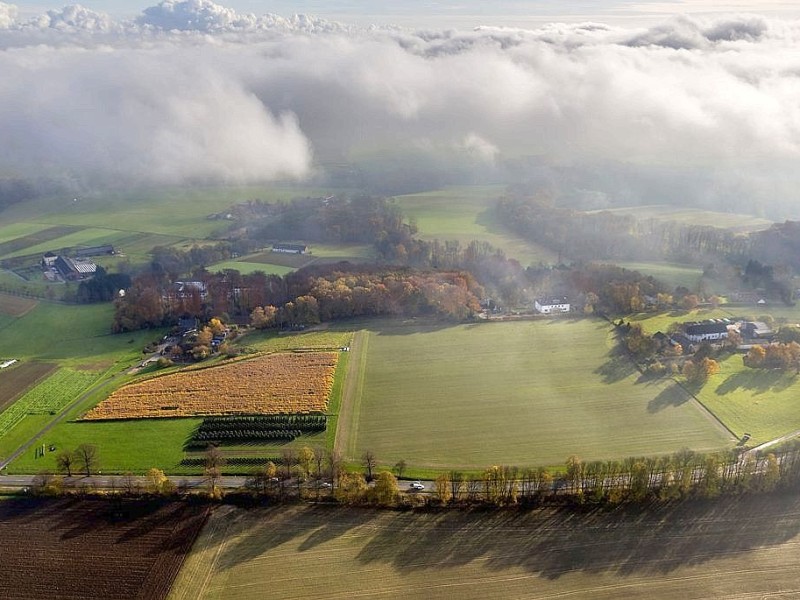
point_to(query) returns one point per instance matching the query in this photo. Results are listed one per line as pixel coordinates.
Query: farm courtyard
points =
(516, 393)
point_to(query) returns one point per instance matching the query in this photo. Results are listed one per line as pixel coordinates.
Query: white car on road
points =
(416, 486)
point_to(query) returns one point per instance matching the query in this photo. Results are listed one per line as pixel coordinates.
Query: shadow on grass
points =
(758, 381)
(549, 543)
(673, 396)
(617, 367)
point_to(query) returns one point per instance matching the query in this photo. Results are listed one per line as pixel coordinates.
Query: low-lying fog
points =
(689, 111)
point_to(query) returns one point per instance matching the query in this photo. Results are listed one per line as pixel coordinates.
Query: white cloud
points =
(73, 17)
(8, 15)
(193, 90)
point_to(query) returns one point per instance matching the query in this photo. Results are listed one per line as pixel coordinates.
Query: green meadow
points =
(464, 213)
(763, 403)
(524, 393)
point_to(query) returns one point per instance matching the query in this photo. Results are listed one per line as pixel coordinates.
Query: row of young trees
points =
(315, 472)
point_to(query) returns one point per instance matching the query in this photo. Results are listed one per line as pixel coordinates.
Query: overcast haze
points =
(184, 92)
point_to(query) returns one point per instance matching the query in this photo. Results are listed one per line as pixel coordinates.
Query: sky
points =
(465, 13)
(697, 107)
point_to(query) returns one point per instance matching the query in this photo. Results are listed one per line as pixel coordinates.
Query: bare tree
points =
(130, 484)
(370, 463)
(214, 458)
(335, 466)
(87, 457)
(64, 462)
(214, 461)
(400, 467)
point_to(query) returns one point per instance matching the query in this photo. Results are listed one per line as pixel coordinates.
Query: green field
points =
(464, 213)
(180, 212)
(123, 446)
(246, 267)
(524, 393)
(271, 341)
(76, 335)
(281, 264)
(671, 274)
(18, 230)
(763, 403)
(742, 549)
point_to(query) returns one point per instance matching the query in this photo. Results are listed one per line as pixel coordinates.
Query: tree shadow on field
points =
(672, 396)
(758, 381)
(410, 325)
(262, 530)
(618, 366)
(552, 543)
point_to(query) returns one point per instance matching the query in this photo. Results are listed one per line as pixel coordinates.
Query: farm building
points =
(49, 260)
(708, 331)
(72, 269)
(551, 305)
(755, 329)
(290, 248)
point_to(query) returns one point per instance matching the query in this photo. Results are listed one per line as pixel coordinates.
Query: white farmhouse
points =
(551, 305)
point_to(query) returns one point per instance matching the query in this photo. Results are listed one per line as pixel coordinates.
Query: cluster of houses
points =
(76, 267)
(714, 330)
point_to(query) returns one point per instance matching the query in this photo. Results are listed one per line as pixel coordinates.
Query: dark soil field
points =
(86, 549)
(15, 381)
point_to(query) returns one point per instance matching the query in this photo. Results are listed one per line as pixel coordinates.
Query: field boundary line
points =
(706, 410)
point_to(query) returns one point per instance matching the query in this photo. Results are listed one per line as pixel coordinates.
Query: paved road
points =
(105, 482)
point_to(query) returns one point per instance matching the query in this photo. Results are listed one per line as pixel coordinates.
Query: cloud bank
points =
(193, 91)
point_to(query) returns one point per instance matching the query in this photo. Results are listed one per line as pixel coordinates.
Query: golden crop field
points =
(283, 383)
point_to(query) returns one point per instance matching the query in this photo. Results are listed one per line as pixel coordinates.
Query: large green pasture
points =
(523, 393)
(74, 335)
(464, 213)
(741, 549)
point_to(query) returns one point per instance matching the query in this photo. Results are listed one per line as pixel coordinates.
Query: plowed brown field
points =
(89, 549)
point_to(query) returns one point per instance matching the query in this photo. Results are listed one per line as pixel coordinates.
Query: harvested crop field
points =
(15, 306)
(14, 381)
(283, 383)
(740, 548)
(93, 549)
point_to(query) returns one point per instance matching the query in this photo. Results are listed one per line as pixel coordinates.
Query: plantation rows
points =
(258, 428)
(246, 435)
(237, 461)
(283, 383)
(49, 397)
